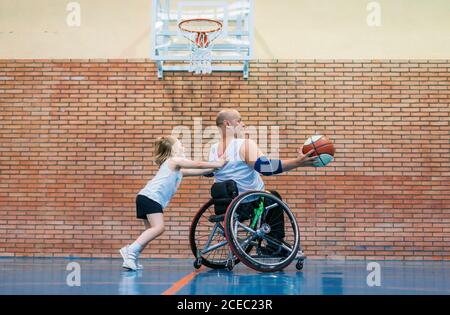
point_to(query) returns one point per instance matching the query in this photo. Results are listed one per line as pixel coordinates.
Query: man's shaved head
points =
(226, 114)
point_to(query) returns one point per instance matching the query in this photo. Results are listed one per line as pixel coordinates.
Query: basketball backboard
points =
(232, 49)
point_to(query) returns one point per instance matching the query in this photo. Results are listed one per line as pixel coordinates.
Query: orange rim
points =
(219, 25)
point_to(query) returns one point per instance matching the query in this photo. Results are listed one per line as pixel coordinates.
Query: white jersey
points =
(163, 186)
(236, 169)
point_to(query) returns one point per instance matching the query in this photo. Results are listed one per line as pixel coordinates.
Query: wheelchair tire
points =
(244, 255)
(208, 260)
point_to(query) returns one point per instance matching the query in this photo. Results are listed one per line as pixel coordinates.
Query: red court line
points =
(177, 286)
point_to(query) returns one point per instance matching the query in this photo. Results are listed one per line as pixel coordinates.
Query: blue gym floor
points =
(177, 276)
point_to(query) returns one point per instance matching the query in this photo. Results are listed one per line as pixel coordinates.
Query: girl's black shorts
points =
(145, 205)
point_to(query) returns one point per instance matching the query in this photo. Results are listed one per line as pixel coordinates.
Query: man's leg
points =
(275, 218)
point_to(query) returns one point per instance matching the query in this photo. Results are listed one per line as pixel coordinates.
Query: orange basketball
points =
(323, 148)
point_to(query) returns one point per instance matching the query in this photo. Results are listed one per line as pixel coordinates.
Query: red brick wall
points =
(75, 147)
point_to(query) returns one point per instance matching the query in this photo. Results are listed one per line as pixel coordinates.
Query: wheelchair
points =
(256, 228)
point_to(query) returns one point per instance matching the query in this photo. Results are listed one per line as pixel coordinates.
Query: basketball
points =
(323, 148)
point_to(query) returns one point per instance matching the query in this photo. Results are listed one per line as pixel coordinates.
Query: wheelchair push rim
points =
(240, 235)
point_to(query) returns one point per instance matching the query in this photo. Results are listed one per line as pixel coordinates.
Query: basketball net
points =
(200, 62)
(201, 33)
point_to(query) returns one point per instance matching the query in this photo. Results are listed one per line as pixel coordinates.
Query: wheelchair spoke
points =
(246, 241)
(271, 206)
(276, 242)
(279, 224)
(279, 215)
(246, 228)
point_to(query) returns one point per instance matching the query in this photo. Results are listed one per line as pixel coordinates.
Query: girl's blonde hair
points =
(163, 148)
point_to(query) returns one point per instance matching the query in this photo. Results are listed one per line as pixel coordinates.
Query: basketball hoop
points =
(200, 33)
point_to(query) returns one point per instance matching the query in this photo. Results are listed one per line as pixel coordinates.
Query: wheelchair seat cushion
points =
(223, 193)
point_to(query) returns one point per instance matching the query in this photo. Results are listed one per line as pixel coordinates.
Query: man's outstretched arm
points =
(301, 161)
(256, 159)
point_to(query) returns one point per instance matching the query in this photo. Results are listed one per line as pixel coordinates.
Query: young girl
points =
(158, 192)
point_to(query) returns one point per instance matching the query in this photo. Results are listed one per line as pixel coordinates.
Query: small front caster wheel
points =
(198, 263)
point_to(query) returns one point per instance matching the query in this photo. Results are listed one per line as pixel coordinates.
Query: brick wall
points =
(76, 135)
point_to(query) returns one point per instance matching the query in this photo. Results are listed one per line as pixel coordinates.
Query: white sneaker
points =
(129, 258)
(138, 265)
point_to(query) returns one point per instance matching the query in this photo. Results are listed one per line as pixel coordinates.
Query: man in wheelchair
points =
(242, 173)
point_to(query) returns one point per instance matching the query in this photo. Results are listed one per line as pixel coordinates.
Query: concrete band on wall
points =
(287, 29)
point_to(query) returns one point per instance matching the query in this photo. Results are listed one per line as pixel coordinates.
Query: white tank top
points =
(163, 186)
(236, 169)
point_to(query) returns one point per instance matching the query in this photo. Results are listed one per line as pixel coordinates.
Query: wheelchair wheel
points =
(207, 239)
(262, 231)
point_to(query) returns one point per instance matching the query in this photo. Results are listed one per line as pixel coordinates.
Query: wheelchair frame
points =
(231, 250)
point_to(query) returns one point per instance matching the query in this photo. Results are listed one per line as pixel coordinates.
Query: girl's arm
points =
(185, 163)
(196, 172)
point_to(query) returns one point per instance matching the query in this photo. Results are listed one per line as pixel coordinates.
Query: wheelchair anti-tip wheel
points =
(207, 240)
(262, 231)
(299, 265)
(198, 263)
